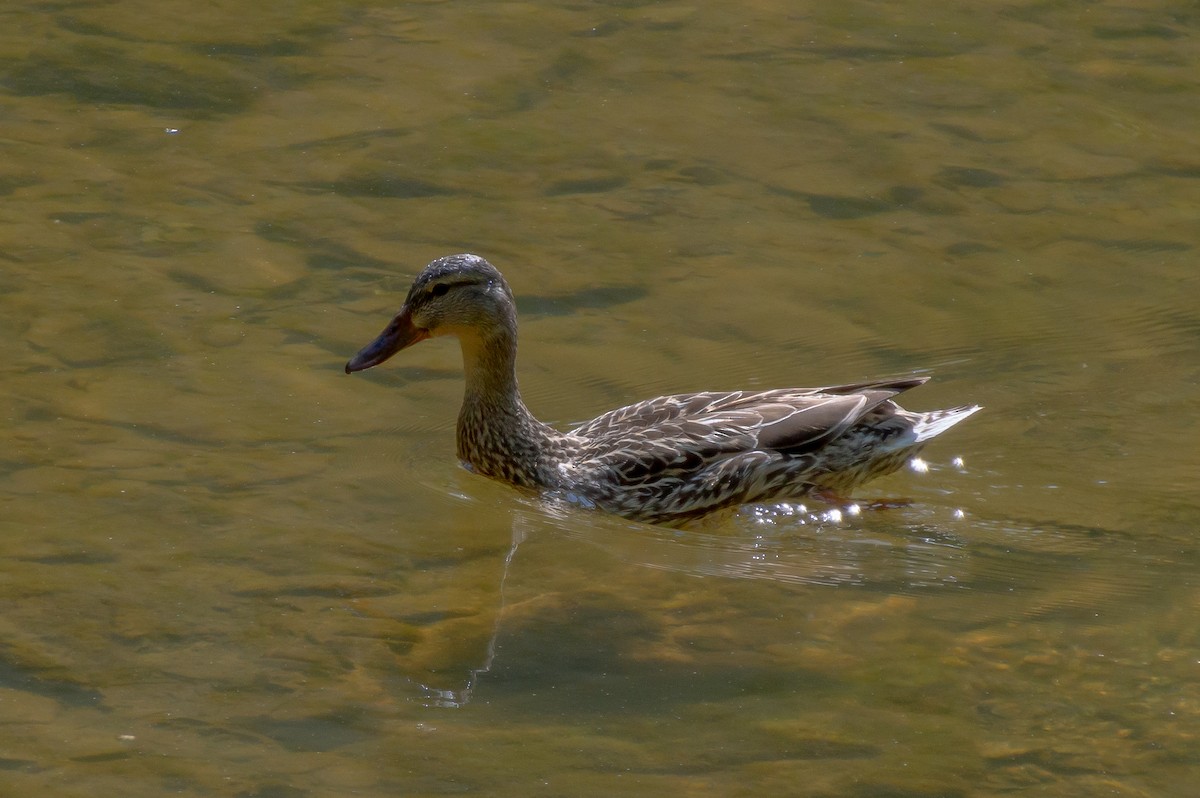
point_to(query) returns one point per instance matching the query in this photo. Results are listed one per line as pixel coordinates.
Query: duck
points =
(666, 460)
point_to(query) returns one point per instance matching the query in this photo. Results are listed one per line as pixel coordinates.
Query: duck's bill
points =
(396, 336)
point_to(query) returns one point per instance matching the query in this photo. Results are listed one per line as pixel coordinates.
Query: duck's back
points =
(793, 420)
(688, 454)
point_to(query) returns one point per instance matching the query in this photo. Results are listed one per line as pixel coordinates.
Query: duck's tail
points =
(935, 422)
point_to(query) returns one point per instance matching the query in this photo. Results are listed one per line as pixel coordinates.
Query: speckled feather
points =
(663, 460)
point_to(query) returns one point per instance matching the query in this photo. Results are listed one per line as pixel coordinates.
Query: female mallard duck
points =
(663, 460)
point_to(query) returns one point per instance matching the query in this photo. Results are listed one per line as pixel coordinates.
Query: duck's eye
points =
(439, 290)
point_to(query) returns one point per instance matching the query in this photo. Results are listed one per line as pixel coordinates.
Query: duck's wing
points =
(688, 432)
(796, 422)
(655, 412)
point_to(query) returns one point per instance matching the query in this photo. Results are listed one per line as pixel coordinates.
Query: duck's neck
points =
(497, 435)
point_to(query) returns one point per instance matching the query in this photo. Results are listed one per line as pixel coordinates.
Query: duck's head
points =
(461, 295)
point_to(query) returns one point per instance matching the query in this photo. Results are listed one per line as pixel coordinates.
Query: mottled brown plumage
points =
(663, 460)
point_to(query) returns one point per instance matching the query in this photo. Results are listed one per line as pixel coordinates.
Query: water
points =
(230, 569)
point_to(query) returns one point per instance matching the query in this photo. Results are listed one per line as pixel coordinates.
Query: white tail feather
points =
(938, 421)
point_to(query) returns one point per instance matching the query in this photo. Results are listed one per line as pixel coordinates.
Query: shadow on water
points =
(30, 678)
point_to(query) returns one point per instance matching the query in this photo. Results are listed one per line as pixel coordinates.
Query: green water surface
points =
(229, 569)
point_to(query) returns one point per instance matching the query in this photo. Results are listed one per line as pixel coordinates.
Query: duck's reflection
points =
(578, 601)
(454, 698)
(742, 598)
